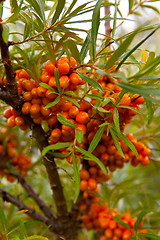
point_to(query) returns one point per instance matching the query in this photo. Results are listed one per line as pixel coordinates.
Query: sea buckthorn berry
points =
(127, 234)
(45, 112)
(22, 74)
(137, 99)
(112, 224)
(82, 117)
(38, 120)
(36, 101)
(45, 78)
(11, 121)
(126, 100)
(35, 108)
(104, 157)
(41, 91)
(26, 108)
(63, 67)
(72, 62)
(7, 113)
(83, 185)
(34, 92)
(55, 135)
(118, 232)
(49, 67)
(75, 78)
(45, 101)
(27, 96)
(28, 85)
(66, 106)
(145, 161)
(73, 111)
(92, 184)
(52, 82)
(64, 81)
(19, 120)
(84, 174)
(108, 233)
(81, 127)
(52, 121)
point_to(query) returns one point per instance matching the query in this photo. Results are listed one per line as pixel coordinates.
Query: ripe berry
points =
(49, 67)
(11, 122)
(82, 117)
(26, 108)
(35, 108)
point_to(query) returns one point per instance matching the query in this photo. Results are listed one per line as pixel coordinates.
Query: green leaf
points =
(85, 47)
(117, 144)
(45, 85)
(140, 217)
(91, 157)
(79, 136)
(134, 109)
(90, 81)
(94, 96)
(5, 33)
(121, 222)
(76, 177)
(116, 119)
(149, 235)
(38, 8)
(70, 7)
(95, 26)
(131, 3)
(60, 155)
(97, 137)
(126, 140)
(72, 100)
(3, 220)
(150, 109)
(115, 19)
(59, 9)
(65, 121)
(51, 104)
(145, 92)
(120, 50)
(56, 146)
(74, 50)
(134, 48)
(56, 74)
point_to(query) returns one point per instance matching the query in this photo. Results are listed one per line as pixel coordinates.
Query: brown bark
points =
(107, 22)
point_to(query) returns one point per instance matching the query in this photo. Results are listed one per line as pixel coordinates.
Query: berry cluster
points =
(9, 154)
(99, 217)
(45, 104)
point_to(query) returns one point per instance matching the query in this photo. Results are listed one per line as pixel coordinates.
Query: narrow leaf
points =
(56, 74)
(72, 100)
(121, 222)
(95, 26)
(97, 137)
(116, 119)
(149, 235)
(51, 104)
(5, 33)
(85, 47)
(65, 121)
(150, 110)
(90, 81)
(79, 136)
(140, 217)
(91, 157)
(45, 85)
(55, 146)
(59, 9)
(115, 19)
(74, 50)
(116, 142)
(3, 220)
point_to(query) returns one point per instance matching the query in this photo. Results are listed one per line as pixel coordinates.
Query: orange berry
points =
(19, 120)
(52, 121)
(126, 100)
(145, 161)
(81, 127)
(104, 157)
(36, 101)
(92, 184)
(72, 62)
(55, 135)
(52, 82)
(83, 185)
(73, 111)
(11, 121)
(45, 101)
(112, 224)
(66, 107)
(84, 174)
(7, 113)
(64, 81)
(49, 67)
(127, 234)
(75, 78)
(35, 108)
(38, 120)
(27, 96)
(41, 91)
(63, 67)
(118, 232)
(34, 92)
(45, 112)
(22, 74)
(45, 78)
(51, 95)
(108, 233)
(137, 99)
(28, 85)
(82, 117)
(26, 108)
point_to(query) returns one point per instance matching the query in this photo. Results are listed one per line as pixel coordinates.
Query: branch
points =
(107, 22)
(29, 211)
